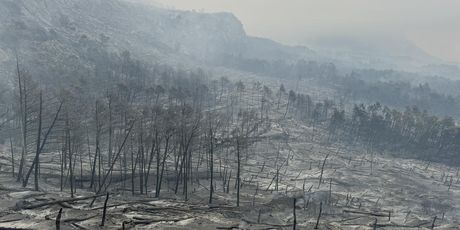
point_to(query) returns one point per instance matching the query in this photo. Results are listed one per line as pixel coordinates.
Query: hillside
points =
(286, 158)
(54, 31)
(119, 114)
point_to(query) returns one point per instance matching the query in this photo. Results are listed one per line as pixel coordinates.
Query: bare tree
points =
(40, 143)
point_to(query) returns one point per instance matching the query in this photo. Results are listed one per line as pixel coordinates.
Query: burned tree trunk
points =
(104, 212)
(113, 162)
(165, 155)
(24, 111)
(211, 165)
(58, 220)
(238, 172)
(37, 162)
(12, 156)
(294, 214)
(322, 170)
(69, 149)
(97, 152)
(319, 215)
(40, 144)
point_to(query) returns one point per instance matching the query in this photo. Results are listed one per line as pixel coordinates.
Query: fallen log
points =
(139, 220)
(229, 228)
(79, 226)
(403, 226)
(27, 196)
(116, 205)
(78, 219)
(59, 201)
(350, 219)
(3, 188)
(366, 213)
(7, 228)
(156, 210)
(65, 205)
(268, 224)
(178, 209)
(11, 220)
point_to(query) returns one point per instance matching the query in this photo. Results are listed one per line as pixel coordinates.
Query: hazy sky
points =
(433, 25)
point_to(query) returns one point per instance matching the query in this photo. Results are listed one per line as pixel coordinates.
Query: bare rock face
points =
(29, 26)
(64, 33)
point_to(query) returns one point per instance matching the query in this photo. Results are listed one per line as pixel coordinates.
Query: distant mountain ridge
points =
(53, 27)
(380, 52)
(47, 33)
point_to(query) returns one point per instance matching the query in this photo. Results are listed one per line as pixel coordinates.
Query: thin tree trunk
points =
(97, 152)
(93, 168)
(322, 170)
(158, 179)
(287, 108)
(238, 176)
(133, 169)
(69, 148)
(81, 171)
(104, 212)
(211, 165)
(141, 165)
(62, 166)
(40, 145)
(113, 162)
(319, 215)
(37, 159)
(165, 154)
(12, 156)
(295, 217)
(147, 175)
(110, 132)
(24, 110)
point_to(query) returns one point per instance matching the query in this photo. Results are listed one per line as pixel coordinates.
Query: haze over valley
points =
(215, 114)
